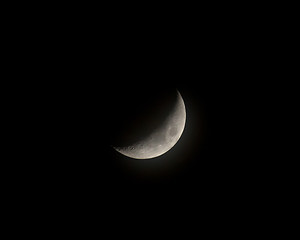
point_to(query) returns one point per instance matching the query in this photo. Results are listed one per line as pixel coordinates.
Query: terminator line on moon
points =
(163, 138)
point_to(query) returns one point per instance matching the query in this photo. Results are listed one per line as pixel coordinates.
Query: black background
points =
(91, 69)
(90, 90)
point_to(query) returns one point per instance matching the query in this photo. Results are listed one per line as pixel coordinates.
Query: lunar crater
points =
(173, 131)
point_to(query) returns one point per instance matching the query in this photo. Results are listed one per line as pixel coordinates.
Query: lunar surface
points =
(163, 138)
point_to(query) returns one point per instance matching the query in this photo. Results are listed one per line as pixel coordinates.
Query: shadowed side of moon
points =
(163, 135)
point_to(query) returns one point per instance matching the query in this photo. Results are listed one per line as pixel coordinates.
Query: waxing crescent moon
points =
(161, 139)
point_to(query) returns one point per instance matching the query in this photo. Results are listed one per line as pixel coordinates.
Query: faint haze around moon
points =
(162, 138)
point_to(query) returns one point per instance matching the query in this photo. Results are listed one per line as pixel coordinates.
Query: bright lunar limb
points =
(163, 138)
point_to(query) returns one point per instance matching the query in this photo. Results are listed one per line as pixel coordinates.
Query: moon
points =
(163, 138)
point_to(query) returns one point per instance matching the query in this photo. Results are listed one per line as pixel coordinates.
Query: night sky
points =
(79, 76)
(103, 75)
(206, 157)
